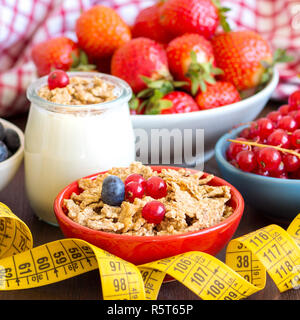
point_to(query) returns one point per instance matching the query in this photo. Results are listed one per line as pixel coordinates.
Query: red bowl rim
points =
(238, 212)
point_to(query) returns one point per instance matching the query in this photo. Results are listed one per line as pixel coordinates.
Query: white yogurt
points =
(63, 146)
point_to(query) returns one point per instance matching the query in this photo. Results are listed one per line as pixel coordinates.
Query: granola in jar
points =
(80, 91)
(190, 204)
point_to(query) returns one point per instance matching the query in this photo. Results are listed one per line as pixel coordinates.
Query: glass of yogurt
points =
(68, 140)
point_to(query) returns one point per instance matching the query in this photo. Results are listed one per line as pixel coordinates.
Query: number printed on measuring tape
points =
(249, 258)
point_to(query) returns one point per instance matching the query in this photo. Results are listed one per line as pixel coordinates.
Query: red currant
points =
(291, 162)
(295, 175)
(246, 161)
(288, 123)
(58, 79)
(134, 190)
(296, 116)
(265, 127)
(245, 133)
(285, 109)
(135, 177)
(274, 116)
(235, 148)
(156, 187)
(294, 100)
(269, 159)
(262, 172)
(295, 139)
(280, 171)
(254, 129)
(293, 113)
(153, 212)
(256, 150)
(279, 138)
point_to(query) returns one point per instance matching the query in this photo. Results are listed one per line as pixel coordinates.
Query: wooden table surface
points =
(88, 286)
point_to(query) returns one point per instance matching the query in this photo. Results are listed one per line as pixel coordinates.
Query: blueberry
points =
(3, 152)
(2, 132)
(113, 191)
(12, 140)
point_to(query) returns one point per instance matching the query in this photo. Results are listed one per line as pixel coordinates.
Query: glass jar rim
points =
(124, 96)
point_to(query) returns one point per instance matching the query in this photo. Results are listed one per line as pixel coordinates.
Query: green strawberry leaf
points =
(155, 91)
(155, 104)
(145, 93)
(146, 79)
(83, 57)
(164, 85)
(133, 103)
(75, 60)
(216, 71)
(265, 77)
(201, 73)
(164, 104)
(222, 15)
(279, 56)
(210, 80)
(194, 57)
(202, 87)
(178, 84)
(81, 63)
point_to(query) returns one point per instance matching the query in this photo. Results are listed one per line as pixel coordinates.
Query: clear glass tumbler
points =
(66, 142)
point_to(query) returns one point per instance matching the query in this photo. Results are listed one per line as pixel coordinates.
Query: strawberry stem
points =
(81, 63)
(155, 91)
(222, 15)
(201, 73)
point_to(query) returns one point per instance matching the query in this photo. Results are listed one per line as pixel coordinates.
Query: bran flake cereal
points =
(191, 204)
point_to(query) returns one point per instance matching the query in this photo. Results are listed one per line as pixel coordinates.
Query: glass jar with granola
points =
(72, 132)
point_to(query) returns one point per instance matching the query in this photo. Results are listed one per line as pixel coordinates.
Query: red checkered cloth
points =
(25, 23)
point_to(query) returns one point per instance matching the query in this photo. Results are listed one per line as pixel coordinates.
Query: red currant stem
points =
(255, 144)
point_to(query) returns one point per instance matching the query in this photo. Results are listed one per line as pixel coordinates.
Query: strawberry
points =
(240, 55)
(191, 59)
(172, 102)
(140, 57)
(181, 102)
(220, 94)
(193, 16)
(100, 31)
(147, 24)
(57, 53)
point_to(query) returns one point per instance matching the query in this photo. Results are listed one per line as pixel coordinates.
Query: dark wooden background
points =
(88, 285)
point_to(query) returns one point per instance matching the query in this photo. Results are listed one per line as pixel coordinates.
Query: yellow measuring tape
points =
(248, 258)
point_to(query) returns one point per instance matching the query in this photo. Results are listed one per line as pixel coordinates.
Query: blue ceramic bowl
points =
(278, 199)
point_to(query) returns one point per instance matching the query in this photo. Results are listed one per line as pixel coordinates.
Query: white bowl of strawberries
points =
(210, 102)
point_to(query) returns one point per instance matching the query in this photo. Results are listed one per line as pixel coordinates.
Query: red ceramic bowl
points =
(143, 249)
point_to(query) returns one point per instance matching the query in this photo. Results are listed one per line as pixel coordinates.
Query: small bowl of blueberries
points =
(11, 151)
